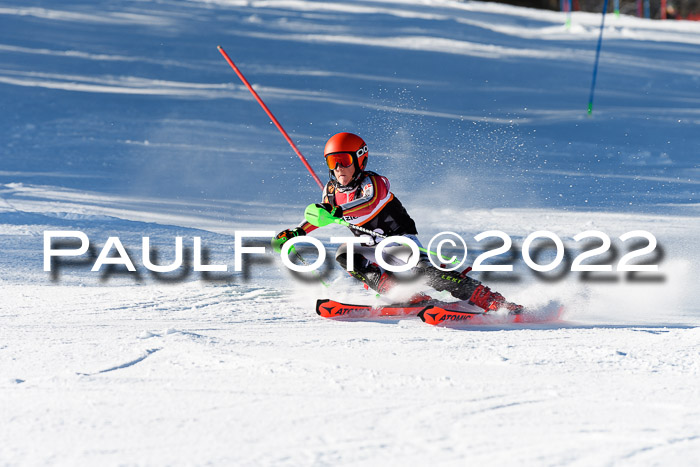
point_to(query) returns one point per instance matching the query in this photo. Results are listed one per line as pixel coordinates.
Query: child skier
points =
(363, 198)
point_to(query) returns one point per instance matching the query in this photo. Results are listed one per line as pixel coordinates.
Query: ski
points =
(438, 313)
(439, 316)
(333, 309)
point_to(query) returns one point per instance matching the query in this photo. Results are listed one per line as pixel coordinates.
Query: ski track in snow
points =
(121, 119)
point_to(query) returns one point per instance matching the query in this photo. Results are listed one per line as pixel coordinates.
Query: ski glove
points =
(285, 235)
(336, 211)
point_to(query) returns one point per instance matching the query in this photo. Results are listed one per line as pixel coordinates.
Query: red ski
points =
(444, 316)
(439, 313)
(333, 309)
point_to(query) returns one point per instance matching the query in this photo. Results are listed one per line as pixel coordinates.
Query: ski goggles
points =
(345, 159)
(342, 158)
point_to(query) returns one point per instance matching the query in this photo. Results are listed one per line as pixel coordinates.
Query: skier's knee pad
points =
(341, 254)
(360, 263)
(342, 260)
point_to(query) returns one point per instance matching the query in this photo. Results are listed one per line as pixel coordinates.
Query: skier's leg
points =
(464, 287)
(364, 269)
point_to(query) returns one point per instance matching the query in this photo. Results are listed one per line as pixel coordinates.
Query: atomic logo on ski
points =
(331, 310)
(343, 311)
(438, 315)
(456, 317)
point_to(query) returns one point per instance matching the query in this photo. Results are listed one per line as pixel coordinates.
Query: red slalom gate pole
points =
(269, 114)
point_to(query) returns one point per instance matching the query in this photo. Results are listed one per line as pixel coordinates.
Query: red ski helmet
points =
(346, 149)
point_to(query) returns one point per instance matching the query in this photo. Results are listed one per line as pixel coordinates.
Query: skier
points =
(364, 198)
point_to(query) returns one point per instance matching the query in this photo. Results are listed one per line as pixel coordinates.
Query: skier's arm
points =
(308, 227)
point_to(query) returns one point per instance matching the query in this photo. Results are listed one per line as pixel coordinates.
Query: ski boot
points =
(484, 298)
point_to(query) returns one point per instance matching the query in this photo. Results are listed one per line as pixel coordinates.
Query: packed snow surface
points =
(121, 119)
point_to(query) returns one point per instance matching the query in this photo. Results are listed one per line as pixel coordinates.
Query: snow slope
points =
(122, 119)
